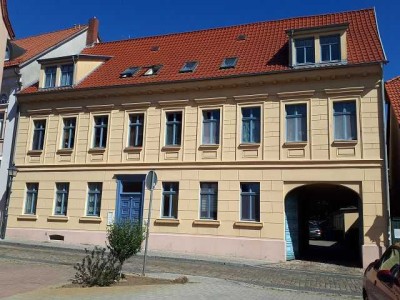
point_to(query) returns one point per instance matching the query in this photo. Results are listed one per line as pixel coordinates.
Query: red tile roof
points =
(264, 50)
(35, 45)
(392, 88)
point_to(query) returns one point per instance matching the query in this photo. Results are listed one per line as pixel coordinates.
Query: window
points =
(153, 70)
(136, 130)
(170, 200)
(31, 198)
(94, 199)
(330, 48)
(1, 124)
(229, 63)
(250, 201)
(100, 131)
(304, 51)
(345, 120)
(189, 66)
(173, 128)
(211, 127)
(129, 72)
(251, 125)
(296, 123)
(69, 133)
(208, 200)
(61, 206)
(67, 74)
(50, 77)
(38, 134)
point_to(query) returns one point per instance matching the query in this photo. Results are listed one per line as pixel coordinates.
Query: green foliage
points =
(124, 239)
(97, 268)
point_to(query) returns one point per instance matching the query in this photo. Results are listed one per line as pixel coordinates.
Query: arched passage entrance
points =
(323, 222)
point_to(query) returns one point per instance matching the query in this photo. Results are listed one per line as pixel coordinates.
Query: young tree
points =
(124, 239)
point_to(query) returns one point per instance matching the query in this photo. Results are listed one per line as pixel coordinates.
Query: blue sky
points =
(121, 19)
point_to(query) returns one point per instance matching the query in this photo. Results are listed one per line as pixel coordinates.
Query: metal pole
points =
(148, 226)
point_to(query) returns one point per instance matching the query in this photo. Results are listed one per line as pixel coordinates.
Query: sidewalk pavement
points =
(197, 288)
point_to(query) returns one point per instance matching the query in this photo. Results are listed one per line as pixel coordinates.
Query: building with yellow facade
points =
(254, 131)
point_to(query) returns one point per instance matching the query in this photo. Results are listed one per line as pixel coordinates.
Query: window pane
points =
(170, 135)
(304, 50)
(50, 77)
(94, 199)
(136, 130)
(100, 131)
(170, 200)
(69, 133)
(296, 122)
(345, 120)
(67, 72)
(31, 198)
(250, 201)
(61, 199)
(208, 200)
(38, 134)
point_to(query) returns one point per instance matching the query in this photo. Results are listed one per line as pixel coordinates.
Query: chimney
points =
(93, 31)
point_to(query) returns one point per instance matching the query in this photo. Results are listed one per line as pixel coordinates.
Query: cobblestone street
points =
(314, 280)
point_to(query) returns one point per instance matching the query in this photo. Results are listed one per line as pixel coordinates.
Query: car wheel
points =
(365, 295)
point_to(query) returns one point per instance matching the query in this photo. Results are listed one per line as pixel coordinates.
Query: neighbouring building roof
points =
(36, 45)
(6, 19)
(260, 48)
(392, 88)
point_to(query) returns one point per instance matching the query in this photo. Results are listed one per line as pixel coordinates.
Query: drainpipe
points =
(385, 160)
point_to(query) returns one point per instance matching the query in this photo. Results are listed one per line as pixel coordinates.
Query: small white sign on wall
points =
(110, 217)
(397, 233)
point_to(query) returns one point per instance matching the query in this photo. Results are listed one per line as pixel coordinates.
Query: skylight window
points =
(153, 70)
(189, 66)
(229, 63)
(129, 72)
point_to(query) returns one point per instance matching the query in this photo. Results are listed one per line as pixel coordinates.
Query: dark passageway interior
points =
(329, 223)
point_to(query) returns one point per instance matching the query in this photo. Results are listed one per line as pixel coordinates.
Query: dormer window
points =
(50, 77)
(305, 53)
(318, 45)
(330, 48)
(229, 63)
(189, 66)
(67, 74)
(152, 70)
(129, 72)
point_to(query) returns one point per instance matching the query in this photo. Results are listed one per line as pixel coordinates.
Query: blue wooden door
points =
(291, 227)
(130, 207)
(130, 200)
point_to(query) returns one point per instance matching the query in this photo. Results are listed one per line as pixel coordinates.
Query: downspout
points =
(385, 161)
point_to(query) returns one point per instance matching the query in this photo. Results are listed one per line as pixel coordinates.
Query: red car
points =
(382, 277)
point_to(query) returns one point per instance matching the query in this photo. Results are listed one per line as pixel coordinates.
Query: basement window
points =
(129, 72)
(152, 70)
(229, 63)
(188, 67)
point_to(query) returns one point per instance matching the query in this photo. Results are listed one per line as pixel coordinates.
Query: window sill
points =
(171, 148)
(295, 144)
(35, 152)
(133, 149)
(209, 147)
(206, 223)
(166, 222)
(57, 219)
(345, 143)
(89, 219)
(247, 225)
(97, 150)
(65, 151)
(249, 146)
(27, 217)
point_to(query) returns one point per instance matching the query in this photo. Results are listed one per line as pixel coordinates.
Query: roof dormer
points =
(67, 71)
(317, 46)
